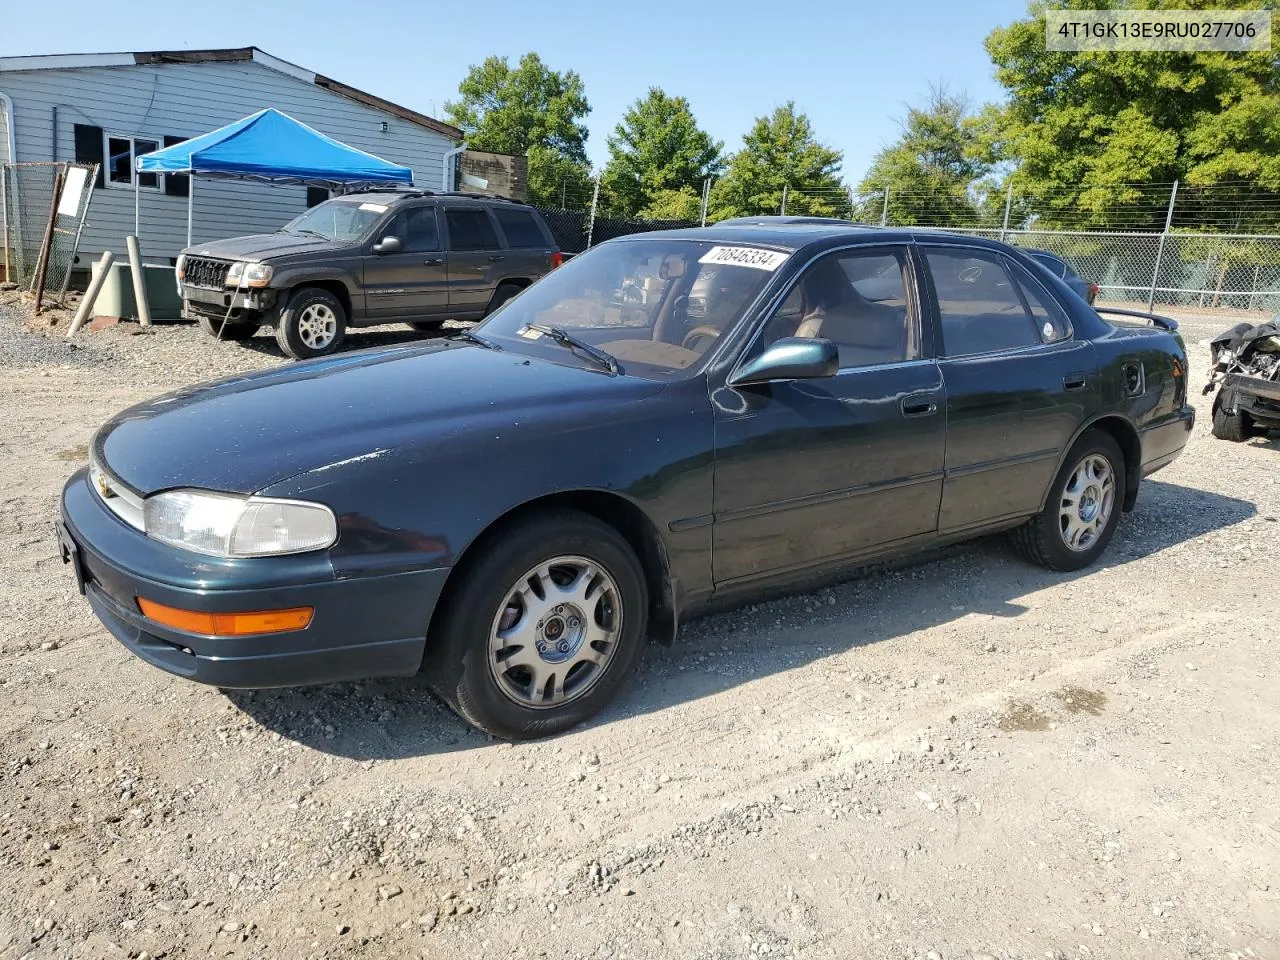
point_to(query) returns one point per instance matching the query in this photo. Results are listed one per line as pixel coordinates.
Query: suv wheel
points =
(504, 293)
(228, 330)
(312, 325)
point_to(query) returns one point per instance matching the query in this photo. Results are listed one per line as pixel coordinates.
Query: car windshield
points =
(655, 305)
(342, 219)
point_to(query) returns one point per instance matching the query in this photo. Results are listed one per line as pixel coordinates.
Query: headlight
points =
(223, 525)
(244, 274)
(180, 268)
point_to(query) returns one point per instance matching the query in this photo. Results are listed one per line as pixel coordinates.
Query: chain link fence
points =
(26, 206)
(575, 230)
(1232, 273)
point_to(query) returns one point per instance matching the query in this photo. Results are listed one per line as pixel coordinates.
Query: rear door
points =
(1018, 385)
(476, 259)
(528, 247)
(414, 282)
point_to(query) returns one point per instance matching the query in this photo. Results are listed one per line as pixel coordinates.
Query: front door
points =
(475, 260)
(412, 284)
(814, 471)
(1018, 385)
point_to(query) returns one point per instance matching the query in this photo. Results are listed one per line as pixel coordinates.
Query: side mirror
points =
(388, 245)
(791, 358)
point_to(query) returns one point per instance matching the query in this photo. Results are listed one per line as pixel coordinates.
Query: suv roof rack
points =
(423, 192)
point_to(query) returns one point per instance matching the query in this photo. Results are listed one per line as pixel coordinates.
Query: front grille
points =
(203, 272)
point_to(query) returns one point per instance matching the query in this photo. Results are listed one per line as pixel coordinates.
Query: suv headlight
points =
(244, 274)
(180, 268)
(225, 525)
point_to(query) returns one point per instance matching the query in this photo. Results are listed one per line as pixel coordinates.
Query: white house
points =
(109, 108)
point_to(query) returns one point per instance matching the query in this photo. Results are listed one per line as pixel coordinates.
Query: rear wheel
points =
(1083, 508)
(230, 330)
(500, 296)
(543, 629)
(312, 325)
(426, 326)
(1236, 427)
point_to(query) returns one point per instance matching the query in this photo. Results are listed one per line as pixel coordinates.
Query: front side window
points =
(980, 307)
(470, 229)
(417, 230)
(122, 155)
(657, 305)
(857, 299)
(346, 219)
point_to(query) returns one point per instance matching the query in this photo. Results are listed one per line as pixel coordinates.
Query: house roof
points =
(72, 61)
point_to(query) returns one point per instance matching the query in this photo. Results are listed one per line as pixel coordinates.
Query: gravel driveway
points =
(964, 757)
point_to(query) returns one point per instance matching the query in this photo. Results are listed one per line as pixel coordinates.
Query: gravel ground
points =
(966, 757)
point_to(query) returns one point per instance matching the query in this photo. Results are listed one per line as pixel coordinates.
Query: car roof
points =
(816, 233)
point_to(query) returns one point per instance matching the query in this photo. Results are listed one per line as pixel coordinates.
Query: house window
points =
(122, 155)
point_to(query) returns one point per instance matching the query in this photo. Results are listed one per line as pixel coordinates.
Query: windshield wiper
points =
(476, 338)
(314, 233)
(566, 339)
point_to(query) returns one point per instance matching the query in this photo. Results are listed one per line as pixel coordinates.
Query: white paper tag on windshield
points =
(752, 257)
(375, 207)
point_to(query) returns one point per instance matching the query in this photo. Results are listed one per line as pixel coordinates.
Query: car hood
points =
(243, 434)
(266, 246)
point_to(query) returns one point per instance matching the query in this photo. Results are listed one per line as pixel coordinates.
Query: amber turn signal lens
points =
(227, 624)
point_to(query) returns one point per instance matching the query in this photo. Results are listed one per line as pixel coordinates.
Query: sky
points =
(853, 66)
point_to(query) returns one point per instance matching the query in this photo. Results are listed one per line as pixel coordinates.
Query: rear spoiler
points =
(1166, 323)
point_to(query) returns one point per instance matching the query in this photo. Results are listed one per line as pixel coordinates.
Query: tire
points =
(1076, 501)
(426, 326)
(465, 657)
(228, 331)
(312, 325)
(500, 296)
(1236, 427)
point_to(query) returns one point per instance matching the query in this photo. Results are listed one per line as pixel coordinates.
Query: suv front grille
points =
(203, 272)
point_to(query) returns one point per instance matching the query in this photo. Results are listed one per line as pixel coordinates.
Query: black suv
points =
(365, 259)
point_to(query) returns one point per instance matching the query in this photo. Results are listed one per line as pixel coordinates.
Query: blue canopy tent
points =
(269, 147)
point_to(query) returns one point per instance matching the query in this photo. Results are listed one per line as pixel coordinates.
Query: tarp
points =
(272, 146)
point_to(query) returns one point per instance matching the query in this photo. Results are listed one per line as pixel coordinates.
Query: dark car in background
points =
(671, 422)
(366, 259)
(1066, 273)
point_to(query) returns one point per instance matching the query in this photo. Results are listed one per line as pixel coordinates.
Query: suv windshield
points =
(341, 219)
(656, 305)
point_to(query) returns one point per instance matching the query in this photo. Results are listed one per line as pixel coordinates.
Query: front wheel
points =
(543, 629)
(312, 325)
(1235, 427)
(1082, 511)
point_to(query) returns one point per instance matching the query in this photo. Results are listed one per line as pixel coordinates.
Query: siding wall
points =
(186, 100)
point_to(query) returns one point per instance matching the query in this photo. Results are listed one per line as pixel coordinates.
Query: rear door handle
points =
(496, 258)
(920, 405)
(1075, 381)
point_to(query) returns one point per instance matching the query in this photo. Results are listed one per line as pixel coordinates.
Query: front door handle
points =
(496, 258)
(433, 261)
(920, 405)
(1075, 381)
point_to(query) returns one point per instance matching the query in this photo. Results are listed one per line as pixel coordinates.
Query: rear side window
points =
(470, 229)
(520, 227)
(1048, 318)
(980, 307)
(1055, 266)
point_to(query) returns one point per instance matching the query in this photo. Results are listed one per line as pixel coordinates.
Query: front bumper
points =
(1252, 395)
(373, 626)
(217, 303)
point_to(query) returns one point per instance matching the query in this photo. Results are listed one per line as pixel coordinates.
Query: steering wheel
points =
(697, 333)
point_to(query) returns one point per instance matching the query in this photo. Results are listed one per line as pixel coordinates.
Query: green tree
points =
(1087, 131)
(655, 153)
(781, 151)
(529, 110)
(931, 171)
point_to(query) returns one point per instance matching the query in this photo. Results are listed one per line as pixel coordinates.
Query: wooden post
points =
(884, 210)
(91, 295)
(46, 245)
(139, 282)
